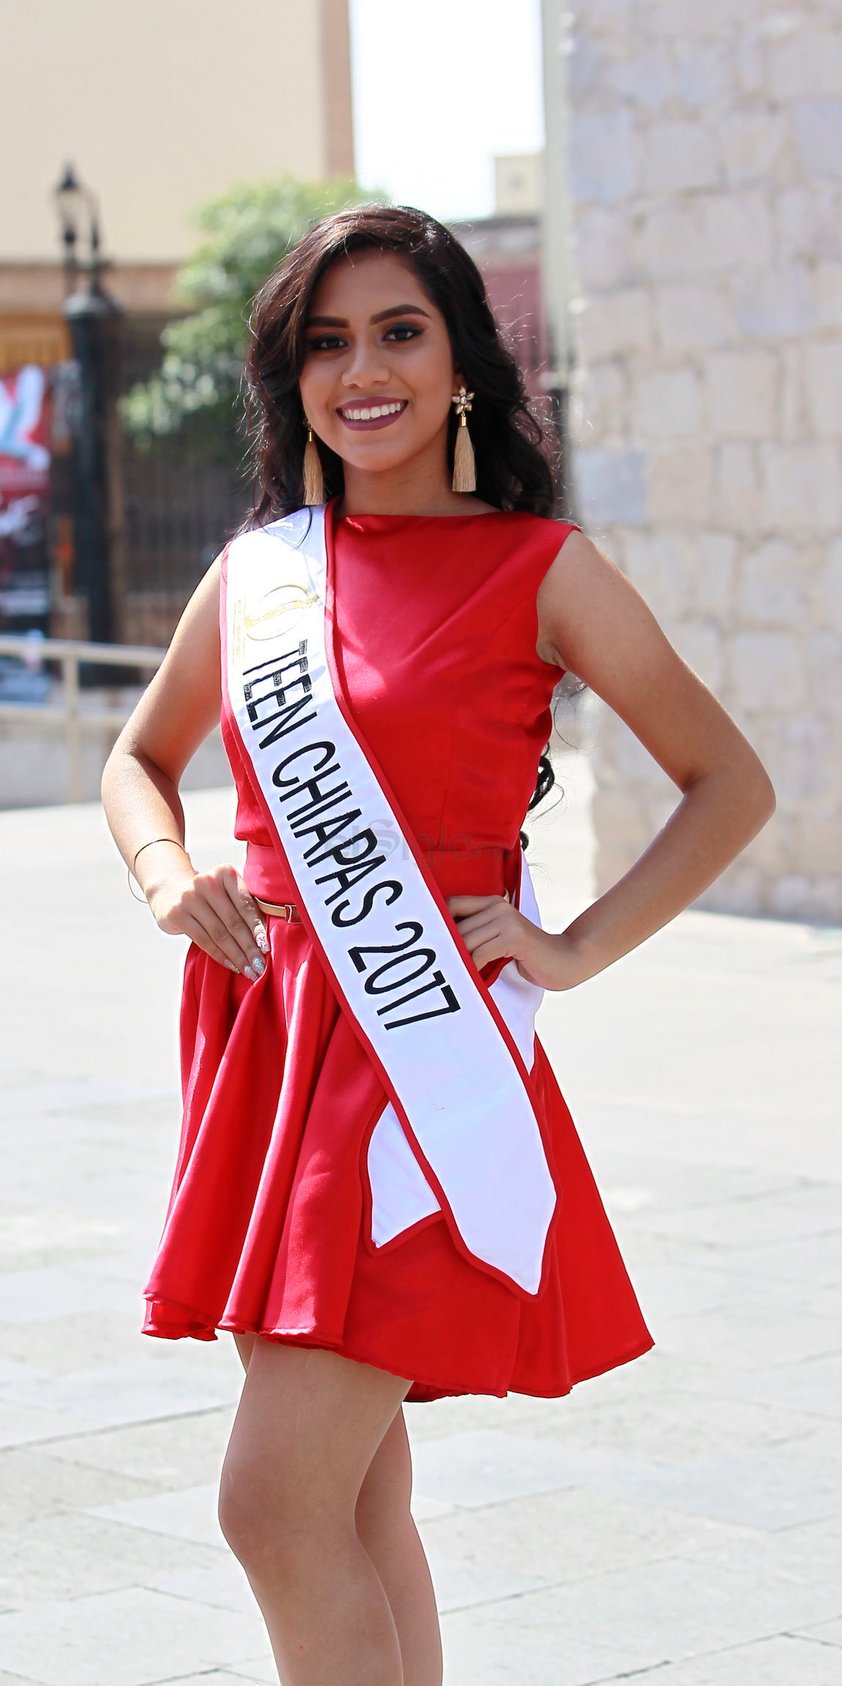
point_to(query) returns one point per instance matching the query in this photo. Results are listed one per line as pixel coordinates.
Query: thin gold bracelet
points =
(130, 869)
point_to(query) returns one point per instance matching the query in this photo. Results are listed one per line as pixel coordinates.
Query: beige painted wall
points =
(161, 105)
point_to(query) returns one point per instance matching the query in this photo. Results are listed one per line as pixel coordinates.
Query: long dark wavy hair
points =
(514, 460)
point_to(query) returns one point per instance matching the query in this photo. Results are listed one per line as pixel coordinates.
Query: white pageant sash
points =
(460, 1133)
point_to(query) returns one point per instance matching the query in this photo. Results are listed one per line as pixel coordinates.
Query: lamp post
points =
(92, 318)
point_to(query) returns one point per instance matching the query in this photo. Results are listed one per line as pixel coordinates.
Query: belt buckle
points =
(289, 909)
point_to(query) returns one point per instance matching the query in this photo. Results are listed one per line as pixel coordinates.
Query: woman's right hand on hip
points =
(216, 911)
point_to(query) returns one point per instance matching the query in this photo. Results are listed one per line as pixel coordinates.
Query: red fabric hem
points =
(423, 1389)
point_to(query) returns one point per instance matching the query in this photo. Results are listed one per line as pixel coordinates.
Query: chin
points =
(377, 462)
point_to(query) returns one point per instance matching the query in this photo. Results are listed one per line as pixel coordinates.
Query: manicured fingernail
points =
(248, 973)
(261, 938)
(258, 965)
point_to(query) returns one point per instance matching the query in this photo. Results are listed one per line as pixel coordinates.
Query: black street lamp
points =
(92, 319)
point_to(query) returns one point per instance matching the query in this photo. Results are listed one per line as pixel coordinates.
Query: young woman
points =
(379, 1189)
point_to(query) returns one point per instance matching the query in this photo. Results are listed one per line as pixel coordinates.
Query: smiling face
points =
(378, 373)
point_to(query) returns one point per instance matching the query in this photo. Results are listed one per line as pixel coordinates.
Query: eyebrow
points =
(382, 315)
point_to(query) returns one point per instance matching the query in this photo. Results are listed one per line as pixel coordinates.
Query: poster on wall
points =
(24, 525)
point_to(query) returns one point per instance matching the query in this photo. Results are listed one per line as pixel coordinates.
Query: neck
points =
(418, 487)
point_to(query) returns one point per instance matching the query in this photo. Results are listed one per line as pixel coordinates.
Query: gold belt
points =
(284, 910)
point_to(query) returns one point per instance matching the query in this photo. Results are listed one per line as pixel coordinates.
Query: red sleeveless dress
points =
(268, 1222)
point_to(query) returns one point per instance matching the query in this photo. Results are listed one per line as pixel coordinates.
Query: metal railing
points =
(69, 714)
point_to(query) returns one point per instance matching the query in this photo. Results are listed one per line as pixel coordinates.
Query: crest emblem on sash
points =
(273, 610)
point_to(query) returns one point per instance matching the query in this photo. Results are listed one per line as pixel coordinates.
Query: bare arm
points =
(604, 631)
(595, 623)
(139, 790)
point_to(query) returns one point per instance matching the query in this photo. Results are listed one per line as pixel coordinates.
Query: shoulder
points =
(589, 611)
(547, 534)
(579, 578)
(555, 529)
(569, 546)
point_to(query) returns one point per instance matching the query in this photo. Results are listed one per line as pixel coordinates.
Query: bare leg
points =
(306, 1430)
(387, 1529)
(245, 1347)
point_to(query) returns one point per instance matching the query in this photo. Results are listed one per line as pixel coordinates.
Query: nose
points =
(365, 367)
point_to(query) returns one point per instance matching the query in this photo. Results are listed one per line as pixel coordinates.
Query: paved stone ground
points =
(677, 1521)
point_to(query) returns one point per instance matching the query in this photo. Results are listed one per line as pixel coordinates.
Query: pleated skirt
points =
(268, 1224)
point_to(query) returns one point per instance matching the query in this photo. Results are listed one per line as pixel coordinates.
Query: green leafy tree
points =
(246, 232)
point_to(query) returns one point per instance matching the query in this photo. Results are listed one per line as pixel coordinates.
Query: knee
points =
(383, 1509)
(269, 1522)
(238, 1511)
(251, 1512)
(384, 1529)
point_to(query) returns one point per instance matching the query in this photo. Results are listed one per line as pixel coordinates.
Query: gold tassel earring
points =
(314, 484)
(464, 461)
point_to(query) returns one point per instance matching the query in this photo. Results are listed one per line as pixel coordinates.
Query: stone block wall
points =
(706, 410)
